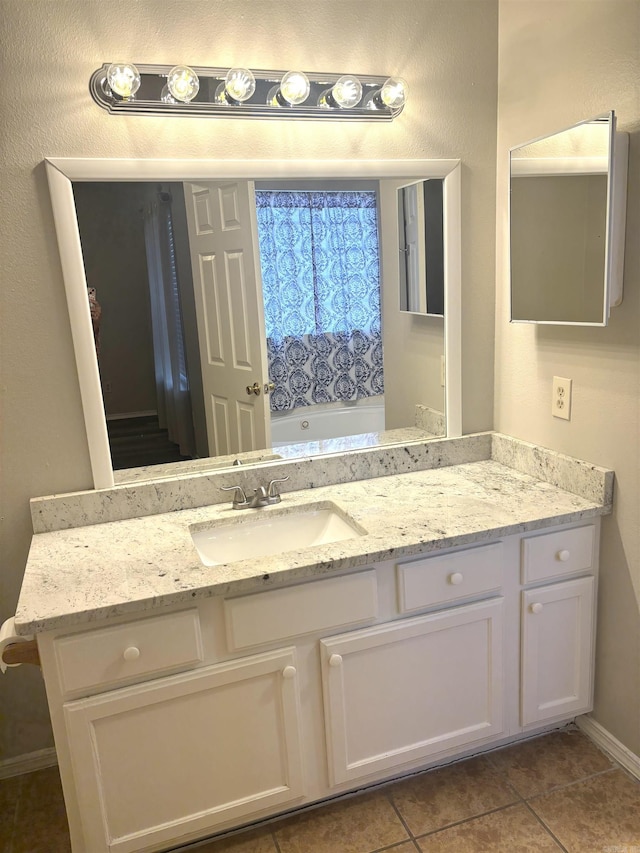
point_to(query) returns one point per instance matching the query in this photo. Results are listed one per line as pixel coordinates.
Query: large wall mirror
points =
(567, 212)
(208, 333)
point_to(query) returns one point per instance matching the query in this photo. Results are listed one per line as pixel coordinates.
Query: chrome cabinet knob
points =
(456, 578)
(564, 555)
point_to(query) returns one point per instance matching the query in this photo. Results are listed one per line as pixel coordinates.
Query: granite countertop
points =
(88, 573)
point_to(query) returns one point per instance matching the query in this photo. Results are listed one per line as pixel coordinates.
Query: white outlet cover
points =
(561, 398)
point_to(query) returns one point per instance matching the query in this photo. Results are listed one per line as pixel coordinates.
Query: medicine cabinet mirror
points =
(421, 247)
(567, 222)
(214, 196)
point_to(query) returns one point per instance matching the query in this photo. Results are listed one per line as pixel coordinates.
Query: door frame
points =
(62, 171)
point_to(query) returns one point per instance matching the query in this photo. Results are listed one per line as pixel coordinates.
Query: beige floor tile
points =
(358, 825)
(41, 820)
(596, 815)
(256, 841)
(537, 766)
(510, 830)
(436, 799)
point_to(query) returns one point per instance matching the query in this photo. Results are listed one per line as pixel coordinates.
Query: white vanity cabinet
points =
(175, 756)
(557, 624)
(411, 689)
(200, 718)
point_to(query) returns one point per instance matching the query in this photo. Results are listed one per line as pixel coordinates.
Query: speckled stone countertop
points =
(85, 574)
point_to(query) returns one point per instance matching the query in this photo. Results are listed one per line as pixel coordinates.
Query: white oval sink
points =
(267, 532)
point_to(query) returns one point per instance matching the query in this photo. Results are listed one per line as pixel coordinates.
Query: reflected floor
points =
(554, 793)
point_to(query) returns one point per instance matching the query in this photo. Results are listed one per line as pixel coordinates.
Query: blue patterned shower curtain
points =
(321, 286)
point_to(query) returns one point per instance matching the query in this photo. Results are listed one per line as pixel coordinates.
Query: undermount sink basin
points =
(267, 532)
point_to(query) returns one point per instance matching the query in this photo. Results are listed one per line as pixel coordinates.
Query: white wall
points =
(446, 50)
(561, 62)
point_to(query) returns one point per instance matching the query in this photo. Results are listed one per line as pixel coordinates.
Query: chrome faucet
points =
(261, 496)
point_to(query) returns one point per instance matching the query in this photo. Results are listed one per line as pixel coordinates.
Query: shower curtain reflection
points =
(172, 382)
(319, 258)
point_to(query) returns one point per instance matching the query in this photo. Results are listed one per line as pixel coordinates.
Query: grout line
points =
(400, 818)
(546, 828)
(469, 819)
(570, 784)
(275, 841)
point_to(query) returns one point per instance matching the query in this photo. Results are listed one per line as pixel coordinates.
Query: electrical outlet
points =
(443, 380)
(561, 400)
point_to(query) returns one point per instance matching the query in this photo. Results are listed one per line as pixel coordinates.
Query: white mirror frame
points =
(61, 172)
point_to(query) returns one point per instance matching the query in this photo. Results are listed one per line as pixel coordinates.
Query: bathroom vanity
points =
(186, 699)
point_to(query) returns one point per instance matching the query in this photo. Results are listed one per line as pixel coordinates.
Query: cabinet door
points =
(557, 650)
(156, 762)
(403, 691)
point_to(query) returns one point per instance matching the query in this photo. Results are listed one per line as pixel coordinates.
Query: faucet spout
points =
(260, 498)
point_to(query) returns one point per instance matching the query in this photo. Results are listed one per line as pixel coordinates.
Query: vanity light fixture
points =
(126, 89)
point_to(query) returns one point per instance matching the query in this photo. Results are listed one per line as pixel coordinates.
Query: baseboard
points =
(27, 763)
(124, 416)
(609, 744)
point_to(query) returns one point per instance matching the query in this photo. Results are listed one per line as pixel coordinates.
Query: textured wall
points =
(561, 62)
(446, 50)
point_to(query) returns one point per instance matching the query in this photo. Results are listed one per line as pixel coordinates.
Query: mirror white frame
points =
(61, 172)
(615, 166)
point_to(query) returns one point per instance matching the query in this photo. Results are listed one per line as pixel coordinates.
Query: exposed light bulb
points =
(166, 97)
(347, 91)
(393, 93)
(183, 83)
(123, 79)
(295, 87)
(239, 84)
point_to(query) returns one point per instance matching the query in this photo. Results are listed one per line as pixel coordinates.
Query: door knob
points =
(254, 389)
(269, 387)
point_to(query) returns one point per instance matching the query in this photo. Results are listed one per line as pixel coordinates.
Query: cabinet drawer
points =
(282, 613)
(552, 555)
(447, 577)
(102, 659)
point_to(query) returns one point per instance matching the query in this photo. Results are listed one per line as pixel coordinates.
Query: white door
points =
(403, 691)
(176, 758)
(557, 650)
(223, 239)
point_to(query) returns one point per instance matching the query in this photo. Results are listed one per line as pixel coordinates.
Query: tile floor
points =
(557, 792)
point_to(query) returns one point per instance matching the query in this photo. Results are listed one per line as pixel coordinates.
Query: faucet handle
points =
(272, 490)
(239, 498)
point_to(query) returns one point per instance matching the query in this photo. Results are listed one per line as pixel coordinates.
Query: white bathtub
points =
(327, 420)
